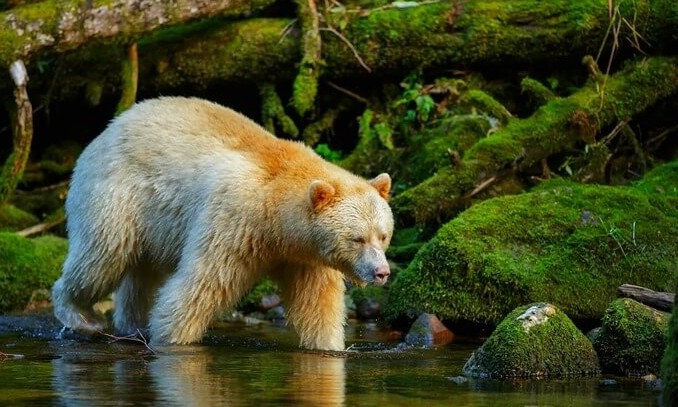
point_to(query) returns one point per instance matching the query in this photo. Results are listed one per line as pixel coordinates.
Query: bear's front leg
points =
(188, 301)
(315, 306)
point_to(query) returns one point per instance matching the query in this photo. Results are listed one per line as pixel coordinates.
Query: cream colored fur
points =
(180, 206)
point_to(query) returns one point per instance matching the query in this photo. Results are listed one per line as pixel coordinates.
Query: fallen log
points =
(61, 25)
(656, 299)
(552, 129)
(391, 40)
(385, 40)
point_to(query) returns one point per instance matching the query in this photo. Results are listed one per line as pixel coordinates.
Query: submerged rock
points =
(269, 301)
(632, 338)
(566, 243)
(427, 330)
(534, 341)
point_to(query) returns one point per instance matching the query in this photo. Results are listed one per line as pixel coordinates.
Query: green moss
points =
(661, 180)
(273, 111)
(13, 218)
(568, 244)
(221, 55)
(432, 148)
(27, 265)
(534, 340)
(305, 86)
(535, 88)
(314, 131)
(632, 338)
(488, 104)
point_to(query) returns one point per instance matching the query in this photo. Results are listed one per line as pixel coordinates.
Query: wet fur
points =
(180, 206)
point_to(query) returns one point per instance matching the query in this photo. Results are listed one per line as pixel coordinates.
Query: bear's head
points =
(352, 227)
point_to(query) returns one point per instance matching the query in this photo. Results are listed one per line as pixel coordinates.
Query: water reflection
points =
(202, 376)
(320, 380)
(262, 366)
(86, 380)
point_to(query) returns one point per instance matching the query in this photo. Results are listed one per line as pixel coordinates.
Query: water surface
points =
(261, 365)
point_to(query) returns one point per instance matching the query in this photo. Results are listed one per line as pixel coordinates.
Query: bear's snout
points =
(381, 274)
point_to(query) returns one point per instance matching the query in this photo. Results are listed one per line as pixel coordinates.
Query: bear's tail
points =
(82, 319)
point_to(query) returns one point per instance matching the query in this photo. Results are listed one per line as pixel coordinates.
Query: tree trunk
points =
(22, 134)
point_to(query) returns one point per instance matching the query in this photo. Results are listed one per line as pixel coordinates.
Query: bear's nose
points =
(381, 274)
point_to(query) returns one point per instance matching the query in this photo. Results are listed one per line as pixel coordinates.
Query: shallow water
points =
(239, 365)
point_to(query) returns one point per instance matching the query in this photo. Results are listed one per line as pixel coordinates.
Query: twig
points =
(45, 188)
(481, 186)
(40, 227)
(4, 356)
(287, 30)
(137, 337)
(351, 47)
(661, 135)
(348, 92)
(614, 132)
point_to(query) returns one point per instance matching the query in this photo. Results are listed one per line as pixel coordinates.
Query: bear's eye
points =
(383, 238)
(359, 240)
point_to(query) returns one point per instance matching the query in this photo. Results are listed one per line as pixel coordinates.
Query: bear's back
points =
(198, 123)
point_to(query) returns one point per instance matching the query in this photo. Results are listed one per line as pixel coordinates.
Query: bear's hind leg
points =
(135, 296)
(315, 306)
(75, 314)
(86, 279)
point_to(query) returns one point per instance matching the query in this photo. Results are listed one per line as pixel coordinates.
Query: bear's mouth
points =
(355, 279)
(376, 277)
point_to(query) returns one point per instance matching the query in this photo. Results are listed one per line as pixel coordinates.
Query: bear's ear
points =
(320, 193)
(382, 183)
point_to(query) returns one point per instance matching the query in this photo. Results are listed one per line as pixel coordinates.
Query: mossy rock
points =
(252, 300)
(564, 243)
(632, 338)
(27, 265)
(13, 218)
(534, 340)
